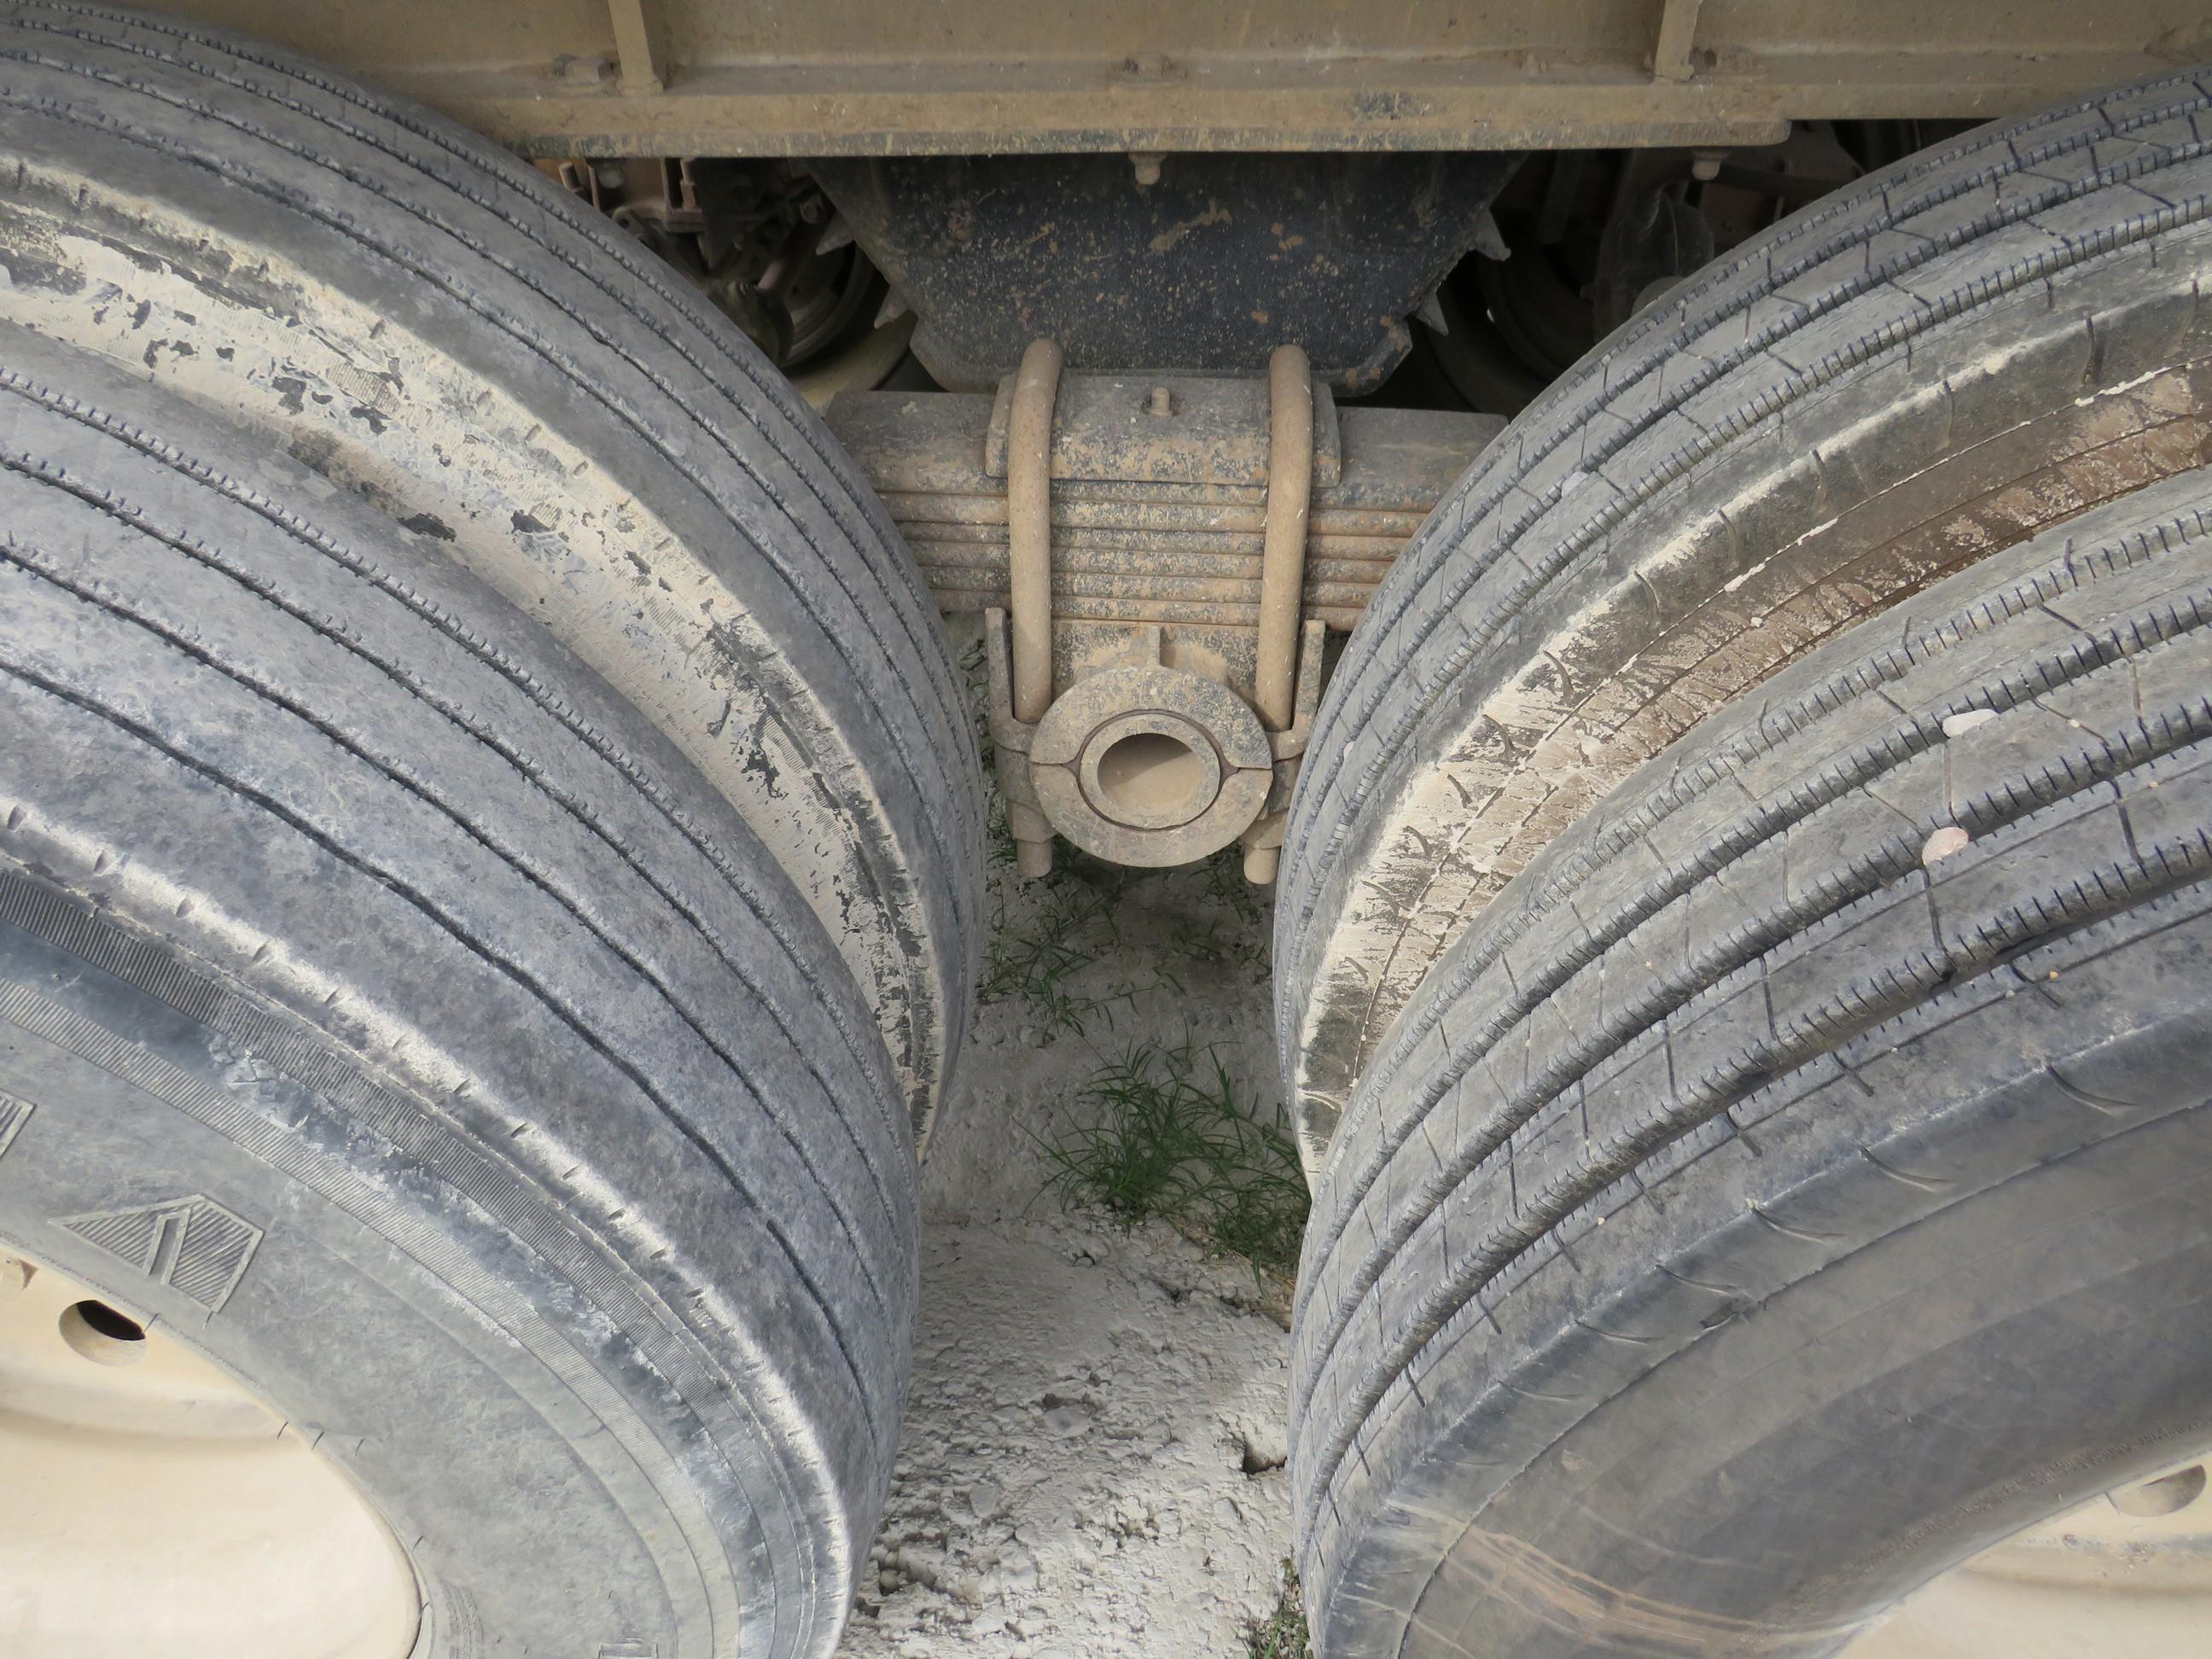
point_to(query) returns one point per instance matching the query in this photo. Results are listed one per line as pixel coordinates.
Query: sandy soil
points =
(1092, 1460)
(1091, 1464)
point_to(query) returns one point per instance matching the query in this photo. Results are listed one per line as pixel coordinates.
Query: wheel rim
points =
(156, 1505)
(2126, 1574)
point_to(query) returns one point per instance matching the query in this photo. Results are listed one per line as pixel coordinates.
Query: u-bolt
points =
(1028, 527)
(1283, 562)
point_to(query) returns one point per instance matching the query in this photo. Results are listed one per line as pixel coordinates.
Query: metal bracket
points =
(640, 63)
(1141, 749)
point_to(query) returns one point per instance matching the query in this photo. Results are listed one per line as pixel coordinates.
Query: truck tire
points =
(517, 1132)
(427, 320)
(1798, 1177)
(1920, 370)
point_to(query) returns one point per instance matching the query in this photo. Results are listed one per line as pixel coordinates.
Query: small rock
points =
(1944, 841)
(1957, 726)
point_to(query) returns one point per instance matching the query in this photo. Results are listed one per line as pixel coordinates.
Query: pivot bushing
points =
(1151, 765)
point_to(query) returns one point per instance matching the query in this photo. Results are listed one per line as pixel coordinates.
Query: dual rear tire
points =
(1746, 937)
(489, 850)
(488, 846)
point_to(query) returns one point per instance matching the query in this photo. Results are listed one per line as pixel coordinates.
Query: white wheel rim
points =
(155, 1506)
(2125, 1576)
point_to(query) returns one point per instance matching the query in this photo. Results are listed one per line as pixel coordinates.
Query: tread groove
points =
(540, 695)
(1839, 778)
(1592, 1038)
(13, 552)
(514, 971)
(1532, 512)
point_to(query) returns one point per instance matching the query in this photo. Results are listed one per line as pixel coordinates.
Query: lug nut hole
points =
(102, 1335)
(2166, 1495)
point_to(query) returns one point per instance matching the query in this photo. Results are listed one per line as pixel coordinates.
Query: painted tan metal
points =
(1166, 429)
(1190, 790)
(861, 366)
(1142, 549)
(1029, 526)
(1211, 773)
(1185, 550)
(2101, 1582)
(153, 1505)
(864, 78)
(1263, 836)
(1026, 823)
(635, 49)
(1673, 53)
(1149, 769)
(1283, 561)
(1150, 739)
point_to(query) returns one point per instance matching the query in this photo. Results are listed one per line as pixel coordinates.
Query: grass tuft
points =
(1283, 1634)
(1075, 926)
(1077, 922)
(1161, 1132)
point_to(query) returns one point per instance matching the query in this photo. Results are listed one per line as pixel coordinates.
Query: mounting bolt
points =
(1147, 165)
(1162, 403)
(1705, 164)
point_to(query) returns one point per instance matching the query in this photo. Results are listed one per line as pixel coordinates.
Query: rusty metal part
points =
(1203, 266)
(1184, 546)
(976, 76)
(1029, 526)
(1283, 559)
(754, 236)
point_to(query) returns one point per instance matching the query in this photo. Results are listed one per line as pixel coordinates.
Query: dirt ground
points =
(1091, 1464)
(1093, 1451)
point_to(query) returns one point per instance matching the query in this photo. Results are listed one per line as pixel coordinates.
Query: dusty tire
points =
(419, 316)
(526, 1138)
(1770, 1200)
(1915, 373)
